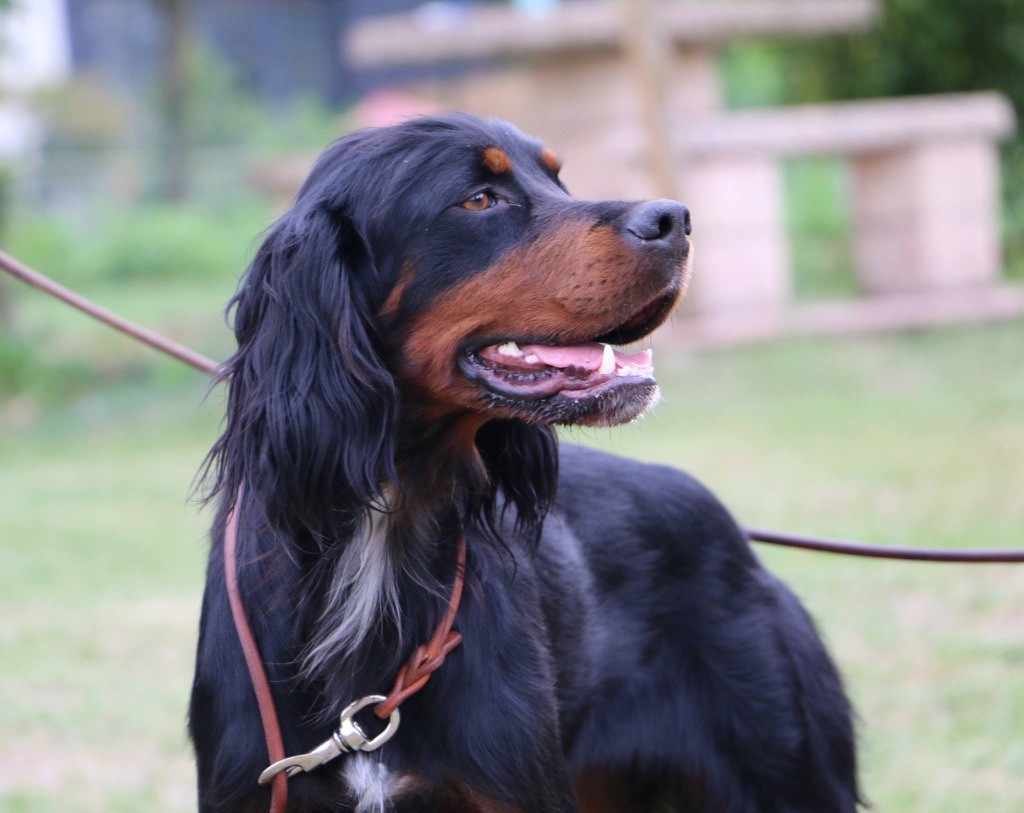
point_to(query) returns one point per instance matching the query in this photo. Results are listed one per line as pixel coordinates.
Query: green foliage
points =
(83, 111)
(103, 143)
(221, 110)
(171, 243)
(926, 46)
(1013, 213)
(818, 220)
(753, 75)
(308, 125)
(16, 359)
(919, 46)
(218, 109)
(148, 243)
(28, 375)
(6, 187)
(172, 268)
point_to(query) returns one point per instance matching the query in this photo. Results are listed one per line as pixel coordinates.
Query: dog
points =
(410, 333)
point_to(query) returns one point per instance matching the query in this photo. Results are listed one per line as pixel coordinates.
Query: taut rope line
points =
(208, 365)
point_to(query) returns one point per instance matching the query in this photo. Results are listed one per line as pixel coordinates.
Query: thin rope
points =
(816, 543)
(208, 365)
(155, 340)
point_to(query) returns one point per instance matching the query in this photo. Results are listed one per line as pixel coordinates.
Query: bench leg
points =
(695, 88)
(927, 217)
(741, 252)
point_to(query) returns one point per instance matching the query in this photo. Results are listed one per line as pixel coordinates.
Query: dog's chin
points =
(568, 382)
(607, 405)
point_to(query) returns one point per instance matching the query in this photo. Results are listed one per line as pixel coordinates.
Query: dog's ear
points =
(312, 408)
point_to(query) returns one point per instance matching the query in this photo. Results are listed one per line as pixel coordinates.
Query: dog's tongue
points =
(586, 356)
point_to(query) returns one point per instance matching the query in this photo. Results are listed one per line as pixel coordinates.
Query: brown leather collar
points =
(412, 677)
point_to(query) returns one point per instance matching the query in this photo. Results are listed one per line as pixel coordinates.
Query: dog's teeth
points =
(509, 349)
(531, 359)
(625, 371)
(607, 361)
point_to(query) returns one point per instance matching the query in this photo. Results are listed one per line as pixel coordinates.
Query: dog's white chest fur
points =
(362, 592)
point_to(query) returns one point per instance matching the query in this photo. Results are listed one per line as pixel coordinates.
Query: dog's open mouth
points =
(530, 371)
(535, 371)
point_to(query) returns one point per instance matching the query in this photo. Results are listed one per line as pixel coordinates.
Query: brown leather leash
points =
(428, 657)
(142, 334)
(253, 660)
(412, 677)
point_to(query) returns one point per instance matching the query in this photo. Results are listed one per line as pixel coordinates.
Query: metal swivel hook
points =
(348, 737)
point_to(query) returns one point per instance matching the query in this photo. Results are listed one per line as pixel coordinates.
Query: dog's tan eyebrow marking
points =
(497, 161)
(550, 160)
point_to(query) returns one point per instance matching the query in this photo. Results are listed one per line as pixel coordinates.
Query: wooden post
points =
(650, 54)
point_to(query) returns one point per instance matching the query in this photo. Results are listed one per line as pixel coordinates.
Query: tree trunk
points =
(6, 313)
(650, 54)
(174, 141)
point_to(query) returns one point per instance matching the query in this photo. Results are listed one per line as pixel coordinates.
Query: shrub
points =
(920, 46)
(164, 242)
(153, 242)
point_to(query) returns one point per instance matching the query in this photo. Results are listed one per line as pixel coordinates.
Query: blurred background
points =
(850, 360)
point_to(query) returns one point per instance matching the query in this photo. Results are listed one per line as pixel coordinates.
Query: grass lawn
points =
(906, 440)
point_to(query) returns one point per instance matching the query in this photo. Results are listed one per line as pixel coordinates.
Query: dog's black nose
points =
(661, 222)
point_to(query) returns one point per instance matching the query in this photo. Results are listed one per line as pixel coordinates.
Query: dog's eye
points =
(479, 202)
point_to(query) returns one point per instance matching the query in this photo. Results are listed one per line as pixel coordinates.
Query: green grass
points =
(818, 222)
(914, 440)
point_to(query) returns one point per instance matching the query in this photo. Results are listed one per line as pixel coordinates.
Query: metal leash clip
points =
(348, 737)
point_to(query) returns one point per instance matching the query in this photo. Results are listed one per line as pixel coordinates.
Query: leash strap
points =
(155, 340)
(202, 363)
(257, 674)
(412, 677)
(428, 658)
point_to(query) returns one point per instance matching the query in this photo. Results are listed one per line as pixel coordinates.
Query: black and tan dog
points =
(409, 334)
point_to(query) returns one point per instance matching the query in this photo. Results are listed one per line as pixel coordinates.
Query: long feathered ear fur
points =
(312, 409)
(522, 464)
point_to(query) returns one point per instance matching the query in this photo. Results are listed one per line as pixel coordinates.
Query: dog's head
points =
(432, 277)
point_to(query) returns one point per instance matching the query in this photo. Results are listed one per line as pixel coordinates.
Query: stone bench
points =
(924, 175)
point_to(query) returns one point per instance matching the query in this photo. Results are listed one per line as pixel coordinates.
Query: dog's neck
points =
(439, 463)
(395, 568)
(387, 583)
